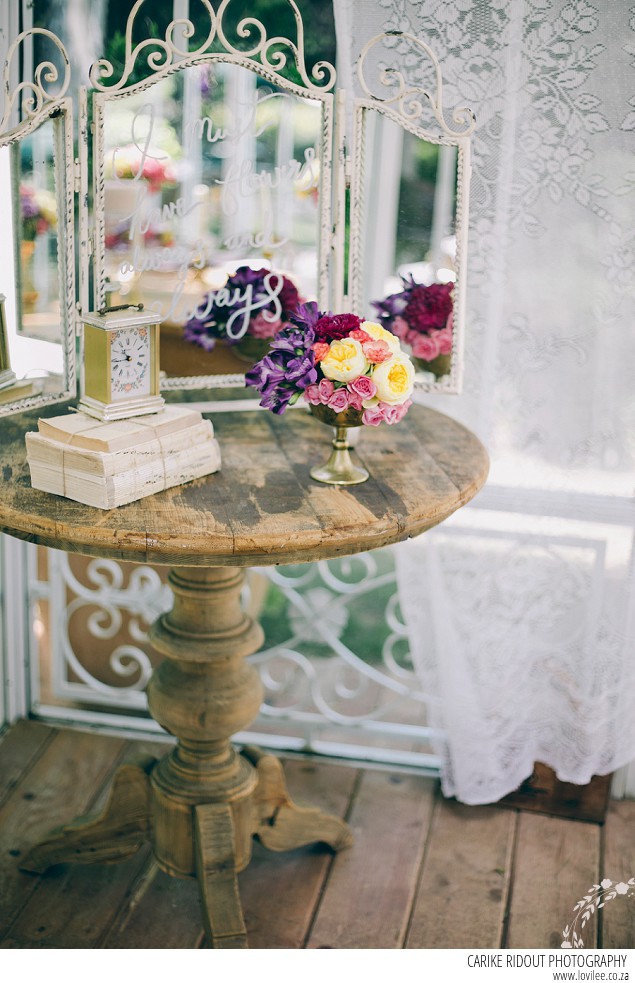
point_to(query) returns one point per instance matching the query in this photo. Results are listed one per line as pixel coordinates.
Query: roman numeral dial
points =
(130, 362)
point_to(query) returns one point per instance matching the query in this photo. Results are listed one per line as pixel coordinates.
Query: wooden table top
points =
(262, 507)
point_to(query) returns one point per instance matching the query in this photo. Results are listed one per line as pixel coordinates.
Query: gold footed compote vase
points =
(339, 469)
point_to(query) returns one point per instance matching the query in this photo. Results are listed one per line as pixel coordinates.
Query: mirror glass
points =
(211, 211)
(404, 269)
(36, 279)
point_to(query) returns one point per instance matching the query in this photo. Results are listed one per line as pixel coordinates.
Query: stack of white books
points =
(110, 464)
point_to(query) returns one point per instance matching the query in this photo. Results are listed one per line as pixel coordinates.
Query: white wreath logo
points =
(598, 896)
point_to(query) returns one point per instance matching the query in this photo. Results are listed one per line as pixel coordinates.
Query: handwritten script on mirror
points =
(170, 218)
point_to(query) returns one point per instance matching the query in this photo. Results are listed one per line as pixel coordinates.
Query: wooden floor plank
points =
(19, 747)
(368, 896)
(361, 898)
(73, 905)
(556, 862)
(162, 912)
(618, 915)
(279, 891)
(462, 894)
(60, 786)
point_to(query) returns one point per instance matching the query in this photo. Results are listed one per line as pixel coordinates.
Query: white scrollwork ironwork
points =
(34, 98)
(409, 100)
(164, 54)
(330, 691)
(102, 596)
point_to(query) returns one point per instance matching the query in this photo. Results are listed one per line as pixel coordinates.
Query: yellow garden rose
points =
(380, 334)
(394, 379)
(344, 361)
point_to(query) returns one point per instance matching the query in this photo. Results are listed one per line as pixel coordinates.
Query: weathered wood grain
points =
(618, 915)
(19, 748)
(135, 906)
(60, 785)
(280, 891)
(556, 862)
(368, 896)
(462, 894)
(262, 507)
(160, 912)
(73, 906)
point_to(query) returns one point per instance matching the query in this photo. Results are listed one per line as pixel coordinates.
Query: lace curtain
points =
(520, 608)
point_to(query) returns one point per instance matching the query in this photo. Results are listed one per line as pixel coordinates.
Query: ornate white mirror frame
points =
(28, 107)
(264, 57)
(408, 106)
(404, 104)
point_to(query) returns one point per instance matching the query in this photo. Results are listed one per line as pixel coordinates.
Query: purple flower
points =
(306, 315)
(265, 374)
(195, 331)
(293, 339)
(243, 289)
(287, 371)
(423, 310)
(391, 306)
(301, 372)
(278, 399)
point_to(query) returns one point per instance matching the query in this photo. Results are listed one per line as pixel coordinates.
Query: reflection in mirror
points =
(211, 211)
(406, 261)
(34, 274)
(36, 257)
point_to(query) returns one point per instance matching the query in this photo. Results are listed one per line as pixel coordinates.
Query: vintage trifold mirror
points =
(220, 183)
(212, 194)
(220, 178)
(410, 188)
(37, 263)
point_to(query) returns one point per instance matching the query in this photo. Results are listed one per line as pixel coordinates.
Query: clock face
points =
(130, 373)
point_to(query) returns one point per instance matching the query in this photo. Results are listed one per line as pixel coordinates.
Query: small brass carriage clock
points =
(121, 363)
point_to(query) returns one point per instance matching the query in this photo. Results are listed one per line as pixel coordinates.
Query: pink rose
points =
(312, 394)
(377, 351)
(374, 415)
(363, 386)
(339, 400)
(425, 347)
(393, 414)
(400, 327)
(444, 337)
(354, 400)
(261, 327)
(325, 388)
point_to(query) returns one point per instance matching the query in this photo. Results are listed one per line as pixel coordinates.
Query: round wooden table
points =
(202, 803)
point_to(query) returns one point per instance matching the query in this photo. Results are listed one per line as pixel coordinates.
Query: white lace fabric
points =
(521, 608)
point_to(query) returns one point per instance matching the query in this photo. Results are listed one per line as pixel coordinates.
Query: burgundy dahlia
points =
(429, 307)
(334, 327)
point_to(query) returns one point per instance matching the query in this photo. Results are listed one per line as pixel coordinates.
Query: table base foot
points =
(281, 825)
(126, 823)
(216, 874)
(116, 833)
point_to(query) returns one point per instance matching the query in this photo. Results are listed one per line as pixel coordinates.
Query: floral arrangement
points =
(254, 303)
(338, 361)
(421, 316)
(155, 165)
(39, 211)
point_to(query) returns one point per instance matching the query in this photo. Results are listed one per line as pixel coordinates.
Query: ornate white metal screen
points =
(335, 667)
